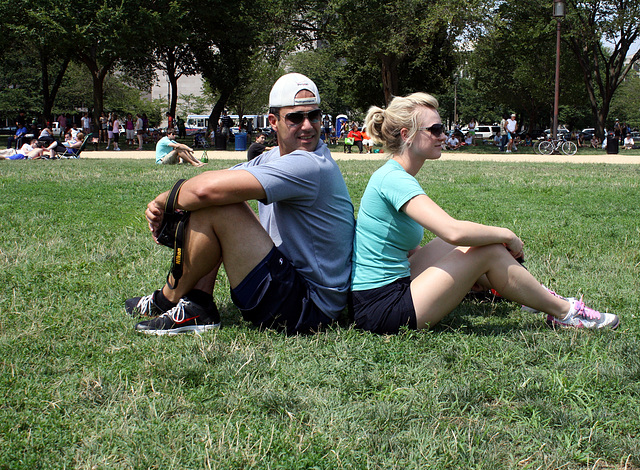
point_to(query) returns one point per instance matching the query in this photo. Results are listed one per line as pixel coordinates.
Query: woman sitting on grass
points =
(395, 282)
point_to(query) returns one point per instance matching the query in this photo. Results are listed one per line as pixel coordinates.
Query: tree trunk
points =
(173, 103)
(172, 76)
(49, 95)
(214, 117)
(47, 102)
(389, 77)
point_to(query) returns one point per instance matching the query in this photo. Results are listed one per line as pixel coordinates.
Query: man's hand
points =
(155, 213)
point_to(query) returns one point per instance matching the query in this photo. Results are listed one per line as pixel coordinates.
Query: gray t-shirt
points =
(309, 216)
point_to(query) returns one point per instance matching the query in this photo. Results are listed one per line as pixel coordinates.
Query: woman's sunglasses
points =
(296, 118)
(436, 130)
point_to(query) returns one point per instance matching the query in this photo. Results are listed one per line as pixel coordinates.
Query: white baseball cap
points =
(284, 91)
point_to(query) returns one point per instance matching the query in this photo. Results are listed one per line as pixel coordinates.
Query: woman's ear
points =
(404, 133)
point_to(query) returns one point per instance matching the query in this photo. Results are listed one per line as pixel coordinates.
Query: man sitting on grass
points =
(628, 142)
(452, 142)
(170, 152)
(287, 270)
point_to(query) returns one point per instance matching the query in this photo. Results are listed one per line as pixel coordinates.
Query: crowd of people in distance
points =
(45, 146)
(508, 138)
(135, 130)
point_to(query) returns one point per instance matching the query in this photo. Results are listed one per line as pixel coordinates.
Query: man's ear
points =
(273, 121)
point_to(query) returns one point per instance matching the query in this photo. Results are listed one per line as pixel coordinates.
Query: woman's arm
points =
(459, 232)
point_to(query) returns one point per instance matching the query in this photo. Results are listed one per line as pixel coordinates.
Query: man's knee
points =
(171, 158)
(237, 217)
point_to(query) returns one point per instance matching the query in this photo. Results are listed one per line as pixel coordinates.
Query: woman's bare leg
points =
(442, 275)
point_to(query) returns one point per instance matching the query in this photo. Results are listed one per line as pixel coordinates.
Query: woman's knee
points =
(489, 252)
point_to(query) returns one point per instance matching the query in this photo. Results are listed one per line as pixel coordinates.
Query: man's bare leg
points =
(229, 234)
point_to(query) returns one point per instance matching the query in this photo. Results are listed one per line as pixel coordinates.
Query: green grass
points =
(491, 387)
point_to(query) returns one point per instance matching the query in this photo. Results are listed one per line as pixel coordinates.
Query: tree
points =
(172, 50)
(409, 42)
(108, 33)
(330, 75)
(252, 94)
(33, 30)
(512, 67)
(626, 104)
(19, 85)
(225, 38)
(600, 34)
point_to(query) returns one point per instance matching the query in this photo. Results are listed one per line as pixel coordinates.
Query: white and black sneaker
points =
(143, 306)
(186, 317)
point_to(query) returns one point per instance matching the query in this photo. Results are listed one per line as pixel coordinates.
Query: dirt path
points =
(500, 157)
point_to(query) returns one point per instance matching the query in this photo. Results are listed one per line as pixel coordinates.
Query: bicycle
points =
(549, 147)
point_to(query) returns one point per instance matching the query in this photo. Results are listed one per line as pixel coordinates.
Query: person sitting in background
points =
(70, 147)
(170, 152)
(527, 141)
(356, 135)
(16, 139)
(46, 137)
(366, 141)
(628, 142)
(258, 146)
(595, 142)
(452, 142)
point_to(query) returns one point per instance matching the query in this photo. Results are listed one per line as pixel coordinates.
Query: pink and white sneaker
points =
(581, 316)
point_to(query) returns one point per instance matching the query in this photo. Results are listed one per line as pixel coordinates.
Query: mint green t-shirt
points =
(163, 148)
(385, 234)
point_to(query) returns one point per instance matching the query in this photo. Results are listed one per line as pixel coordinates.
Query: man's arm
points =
(212, 188)
(179, 146)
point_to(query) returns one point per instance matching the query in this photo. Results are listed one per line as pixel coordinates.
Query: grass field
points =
(491, 387)
(482, 148)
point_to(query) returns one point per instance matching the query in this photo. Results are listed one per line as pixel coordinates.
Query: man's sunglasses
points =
(296, 118)
(436, 130)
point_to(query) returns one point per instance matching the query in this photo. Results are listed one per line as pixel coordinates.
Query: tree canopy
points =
(600, 34)
(498, 54)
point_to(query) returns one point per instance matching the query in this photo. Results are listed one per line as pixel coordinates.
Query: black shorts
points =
(275, 295)
(385, 309)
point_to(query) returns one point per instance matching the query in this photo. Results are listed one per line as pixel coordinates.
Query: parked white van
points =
(200, 122)
(196, 123)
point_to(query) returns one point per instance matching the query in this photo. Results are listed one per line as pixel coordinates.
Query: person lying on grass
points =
(395, 282)
(30, 151)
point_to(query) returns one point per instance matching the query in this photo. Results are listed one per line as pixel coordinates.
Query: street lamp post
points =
(558, 14)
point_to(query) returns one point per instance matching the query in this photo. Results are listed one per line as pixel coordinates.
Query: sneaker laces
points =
(586, 312)
(177, 313)
(145, 304)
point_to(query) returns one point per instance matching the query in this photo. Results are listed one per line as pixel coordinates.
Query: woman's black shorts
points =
(385, 309)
